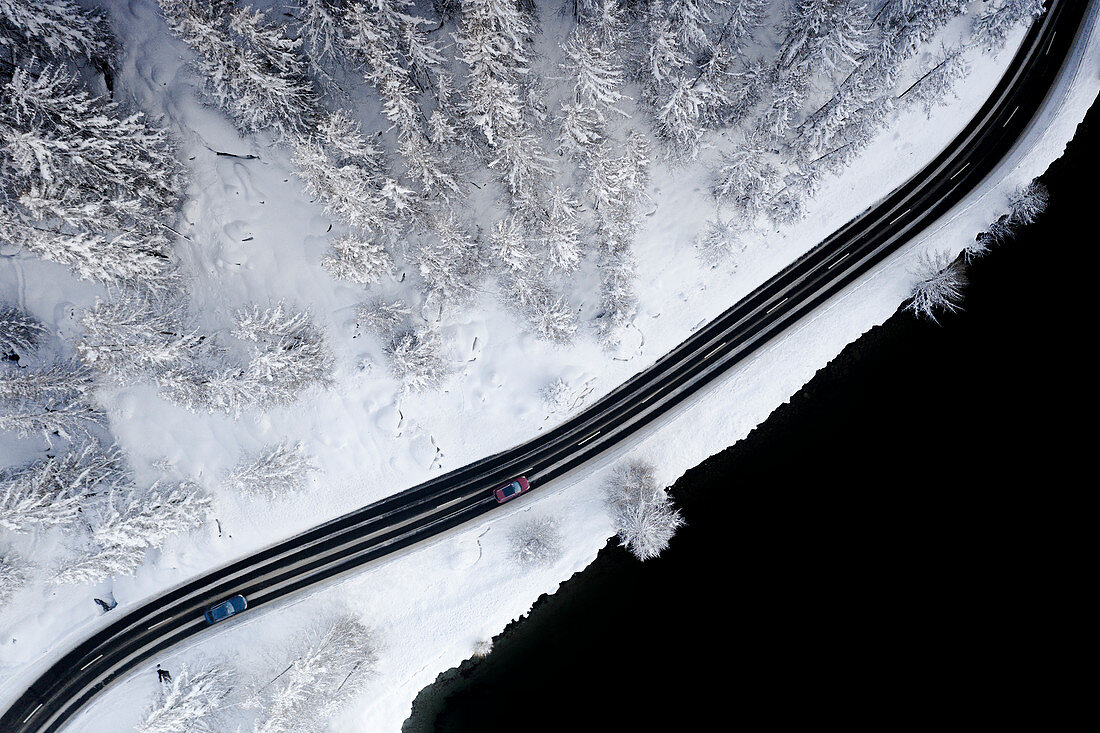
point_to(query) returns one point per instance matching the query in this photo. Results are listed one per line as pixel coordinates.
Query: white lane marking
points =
(838, 261)
(769, 310)
(1011, 116)
(590, 437)
(901, 215)
(89, 664)
(960, 170)
(716, 348)
(33, 712)
(1051, 43)
(158, 623)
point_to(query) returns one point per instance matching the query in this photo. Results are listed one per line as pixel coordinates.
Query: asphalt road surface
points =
(414, 515)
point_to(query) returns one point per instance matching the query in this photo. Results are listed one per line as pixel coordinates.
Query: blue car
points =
(225, 609)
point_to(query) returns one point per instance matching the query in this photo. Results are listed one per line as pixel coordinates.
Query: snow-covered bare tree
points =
(386, 319)
(1026, 203)
(128, 522)
(641, 511)
(275, 471)
(82, 184)
(20, 334)
(937, 86)
(449, 260)
(249, 66)
(536, 541)
(190, 702)
(939, 285)
(995, 23)
(719, 242)
(137, 335)
(51, 492)
(416, 358)
(52, 28)
(322, 679)
(13, 574)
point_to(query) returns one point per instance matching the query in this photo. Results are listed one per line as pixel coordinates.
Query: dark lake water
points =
(887, 548)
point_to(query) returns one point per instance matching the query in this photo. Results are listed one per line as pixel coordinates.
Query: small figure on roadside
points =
(163, 675)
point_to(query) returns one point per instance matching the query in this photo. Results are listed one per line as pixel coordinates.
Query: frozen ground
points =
(431, 606)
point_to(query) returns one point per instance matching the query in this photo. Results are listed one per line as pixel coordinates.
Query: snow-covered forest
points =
(248, 246)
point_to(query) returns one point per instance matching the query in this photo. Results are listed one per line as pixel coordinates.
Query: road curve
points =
(413, 515)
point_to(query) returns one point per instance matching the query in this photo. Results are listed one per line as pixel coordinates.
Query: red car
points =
(512, 489)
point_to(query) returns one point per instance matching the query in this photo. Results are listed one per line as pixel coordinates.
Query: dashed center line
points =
(590, 437)
(776, 306)
(89, 664)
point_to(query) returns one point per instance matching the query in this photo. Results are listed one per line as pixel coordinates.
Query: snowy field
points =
(254, 235)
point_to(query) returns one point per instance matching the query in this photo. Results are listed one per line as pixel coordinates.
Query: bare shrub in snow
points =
(536, 541)
(321, 680)
(127, 523)
(1027, 203)
(20, 333)
(939, 286)
(641, 511)
(51, 492)
(189, 703)
(416, 358)
(274, 471)
(13, 574)
(560, 396)
(719, 242)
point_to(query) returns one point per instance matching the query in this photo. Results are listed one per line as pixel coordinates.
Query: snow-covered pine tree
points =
(745, 16)
(20, 334)
(679, 117)
(60, 379)
(275, 471)
(82, 184)
(992, 27)
(357, 259)
(416, 359)
(561, 229)
(746, 181)
(289, 353)
(320, 681)
(51, 492)
(137, 335)
(939, 285)
(52, 28)
(69, 417)
(449, 261)
(641, 511)
(13, 574)
(190, 702)
(128, 522)
(248, 65)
